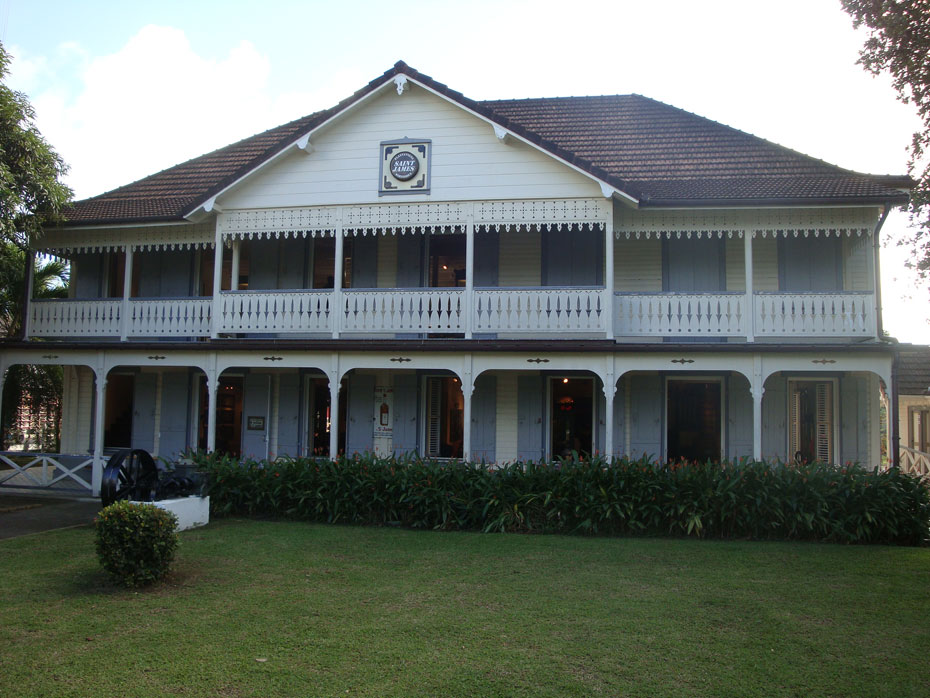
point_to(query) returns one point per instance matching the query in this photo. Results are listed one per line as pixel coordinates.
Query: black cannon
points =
(134, 474)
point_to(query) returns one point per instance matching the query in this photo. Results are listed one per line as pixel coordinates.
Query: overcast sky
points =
(124, 89)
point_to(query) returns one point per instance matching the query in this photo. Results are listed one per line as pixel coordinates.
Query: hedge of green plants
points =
(592, 496)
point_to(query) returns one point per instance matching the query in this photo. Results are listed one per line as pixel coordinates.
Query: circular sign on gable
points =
(404, 166)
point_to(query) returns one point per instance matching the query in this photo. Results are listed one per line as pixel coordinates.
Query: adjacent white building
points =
(413, 270)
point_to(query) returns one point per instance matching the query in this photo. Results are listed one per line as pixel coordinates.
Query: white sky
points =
(124, 89)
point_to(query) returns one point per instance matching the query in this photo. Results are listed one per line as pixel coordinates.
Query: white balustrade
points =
(169, 317)
(815, 314)
(19, 469)
(276, 311)
(439, 310)
(540, 310)
(913, 461)
(74, 317)
(680, 315)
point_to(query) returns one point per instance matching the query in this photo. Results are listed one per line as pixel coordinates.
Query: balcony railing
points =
(542, 312)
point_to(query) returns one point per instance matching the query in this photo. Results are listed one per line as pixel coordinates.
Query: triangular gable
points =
(400, 79)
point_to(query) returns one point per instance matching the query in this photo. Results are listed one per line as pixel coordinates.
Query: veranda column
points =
(757, 389)
(215, 319)
(333, 414)
(96, 478)
(468, 388)
(127, 288)
(234, 276)
(337, 285)
(750, 314)
(3, 367)
(609, 274)
(610, 391)
(469, 274)
(28, 293)
(213, 386)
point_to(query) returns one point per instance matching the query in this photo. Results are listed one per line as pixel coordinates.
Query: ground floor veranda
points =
(666, 402)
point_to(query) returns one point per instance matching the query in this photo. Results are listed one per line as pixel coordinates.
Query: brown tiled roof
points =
(913, 375)
(657, 153)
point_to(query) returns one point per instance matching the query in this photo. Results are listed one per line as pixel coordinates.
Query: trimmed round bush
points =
(135, 542)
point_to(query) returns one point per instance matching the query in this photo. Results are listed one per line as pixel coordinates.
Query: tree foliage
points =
(31, 192)
(35, 388)
(899, 44)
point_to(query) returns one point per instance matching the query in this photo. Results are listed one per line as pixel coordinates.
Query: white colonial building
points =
(413, 270)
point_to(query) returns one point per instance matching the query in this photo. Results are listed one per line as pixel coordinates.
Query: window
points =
(919, 420)
(445, 408)
(811, 425)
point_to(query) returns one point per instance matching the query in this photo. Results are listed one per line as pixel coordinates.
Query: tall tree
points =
(899, 44)
(31, 191)
(29, 389)
(32, 196)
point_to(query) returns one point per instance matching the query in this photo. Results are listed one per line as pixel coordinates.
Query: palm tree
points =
(36, 388)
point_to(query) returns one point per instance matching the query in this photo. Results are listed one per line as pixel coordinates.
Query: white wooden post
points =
(100, 378)
(234, 276)
(213, 384)
(468, 388)
(333, 414)
(609, 274)
(127, 288)
(215, 320)
(28, 293)
(337, 284)
(750, 314)
(610, 391)
(469, 274)
(757, 389)
(3, 367)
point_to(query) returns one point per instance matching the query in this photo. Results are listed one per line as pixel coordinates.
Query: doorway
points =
(694, 420)
(117, 420)
(571, 410)
(228, 416)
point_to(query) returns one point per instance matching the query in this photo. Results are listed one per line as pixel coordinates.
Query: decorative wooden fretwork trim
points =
(277, 222)
(414, 218)
(760, 222)
(64, 243)
(542, 211)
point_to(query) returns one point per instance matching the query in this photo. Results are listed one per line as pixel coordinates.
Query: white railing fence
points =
(913, 461)
(18, 469)
(815, 314)
(169, 317)
(681, 315)
(438, 310)
(73, 317)
(446, 310)
(275, 311)
(540, 310)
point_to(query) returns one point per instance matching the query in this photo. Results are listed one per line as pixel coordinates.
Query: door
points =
(571, 410)
(694, 420)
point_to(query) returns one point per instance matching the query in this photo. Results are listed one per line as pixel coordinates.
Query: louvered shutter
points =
(433, 413)
(794, 422)
(824, 431)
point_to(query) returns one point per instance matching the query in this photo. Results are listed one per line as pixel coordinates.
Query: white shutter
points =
(824, 431)
(433, 414)
(794, 425)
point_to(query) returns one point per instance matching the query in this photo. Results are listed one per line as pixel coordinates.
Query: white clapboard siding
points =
(506, 430)
(520, 258)
(764, 264)
(857, 263)
(638, 265)
(468, 161)
(387, 261)
(735, 265)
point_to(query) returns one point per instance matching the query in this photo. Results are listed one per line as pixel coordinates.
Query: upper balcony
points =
(526, 278)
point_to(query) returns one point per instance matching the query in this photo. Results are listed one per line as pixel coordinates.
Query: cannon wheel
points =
(129, 474)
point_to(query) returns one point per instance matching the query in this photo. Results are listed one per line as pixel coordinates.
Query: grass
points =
(261, 608)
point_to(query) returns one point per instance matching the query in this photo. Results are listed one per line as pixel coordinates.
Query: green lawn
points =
(291, 609)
